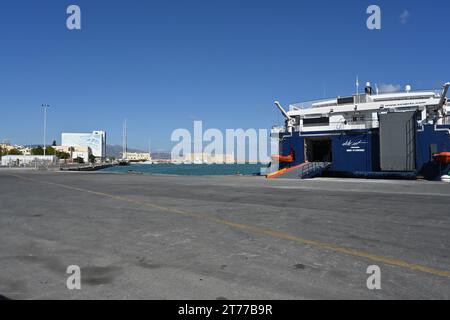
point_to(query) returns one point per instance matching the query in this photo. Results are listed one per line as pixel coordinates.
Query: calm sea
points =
(190, 169)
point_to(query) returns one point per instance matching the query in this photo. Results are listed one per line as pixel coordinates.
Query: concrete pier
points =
(170, 237)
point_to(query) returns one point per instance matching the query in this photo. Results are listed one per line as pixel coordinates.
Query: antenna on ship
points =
(357, 85)
(368, 89)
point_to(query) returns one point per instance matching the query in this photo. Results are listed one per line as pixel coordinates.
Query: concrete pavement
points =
(168, 237)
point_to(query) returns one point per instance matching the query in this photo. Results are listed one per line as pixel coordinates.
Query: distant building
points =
(6, 147)
(24, 150)
(137, 156)
(76, 152)
(95, 140)
(207, 158)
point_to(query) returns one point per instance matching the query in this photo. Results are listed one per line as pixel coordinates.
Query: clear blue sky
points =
(161, 64)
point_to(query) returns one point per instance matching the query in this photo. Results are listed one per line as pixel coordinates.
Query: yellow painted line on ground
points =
(261, 231)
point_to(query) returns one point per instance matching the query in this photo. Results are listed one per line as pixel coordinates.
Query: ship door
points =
(318, 149)
(398, 141)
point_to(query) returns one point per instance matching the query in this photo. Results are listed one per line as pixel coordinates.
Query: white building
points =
(28, 160)
(26, 151)
(95, 140)
(137, 156)
(207, 158)
(76, 152)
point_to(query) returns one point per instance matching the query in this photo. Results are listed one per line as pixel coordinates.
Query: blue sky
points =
(162, 64)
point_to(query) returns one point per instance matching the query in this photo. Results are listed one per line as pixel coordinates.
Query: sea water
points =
(190, 169)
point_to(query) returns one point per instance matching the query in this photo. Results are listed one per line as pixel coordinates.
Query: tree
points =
(54, 143)
(50, 151)
(14, 152)
(62, 155)
(91, 158)
(78, 160)
(38, 151)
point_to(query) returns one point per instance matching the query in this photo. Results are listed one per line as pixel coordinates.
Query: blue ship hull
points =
(357, 152)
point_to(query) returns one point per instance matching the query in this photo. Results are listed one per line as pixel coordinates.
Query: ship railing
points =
(358, 99)
(312, 169)
(310, 104)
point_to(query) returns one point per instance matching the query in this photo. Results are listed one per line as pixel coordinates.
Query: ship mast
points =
(125, 140)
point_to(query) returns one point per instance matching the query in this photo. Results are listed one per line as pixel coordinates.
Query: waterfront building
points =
(96, 141)
(200, 158)
(137, 156)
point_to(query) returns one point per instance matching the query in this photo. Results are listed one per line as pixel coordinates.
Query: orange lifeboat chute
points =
(443, 157)
(285, 159)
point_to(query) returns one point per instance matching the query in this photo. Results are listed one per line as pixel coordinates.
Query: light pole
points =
(45, 106)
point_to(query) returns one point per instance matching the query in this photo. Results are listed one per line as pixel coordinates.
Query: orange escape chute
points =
(443, 157)
(286, 159)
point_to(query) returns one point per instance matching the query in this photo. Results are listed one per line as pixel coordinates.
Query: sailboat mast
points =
(124, 140)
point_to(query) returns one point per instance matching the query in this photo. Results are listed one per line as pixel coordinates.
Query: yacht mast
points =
(125, 140)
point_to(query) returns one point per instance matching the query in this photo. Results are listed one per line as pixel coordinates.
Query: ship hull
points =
(372, 153)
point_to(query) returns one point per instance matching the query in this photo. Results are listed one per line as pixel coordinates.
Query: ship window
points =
(419, 116)
(345, 100)
(358, 119)
(324, 121)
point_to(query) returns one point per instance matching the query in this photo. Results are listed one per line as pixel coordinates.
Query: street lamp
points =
(45, 107)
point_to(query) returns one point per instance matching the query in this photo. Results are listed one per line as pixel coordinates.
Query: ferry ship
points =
(372, 134)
